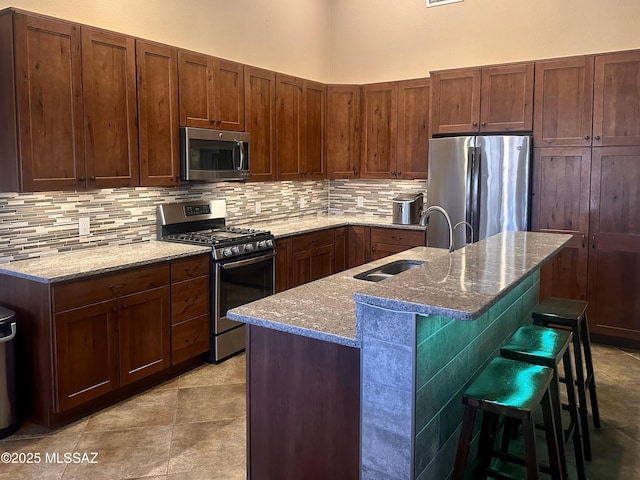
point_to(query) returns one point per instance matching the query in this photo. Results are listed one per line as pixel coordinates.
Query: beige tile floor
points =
(193, 427)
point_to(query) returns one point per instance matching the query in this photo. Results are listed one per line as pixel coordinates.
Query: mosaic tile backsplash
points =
(42, 224)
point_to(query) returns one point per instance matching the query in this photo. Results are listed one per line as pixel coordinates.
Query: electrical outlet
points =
(258, 207)
(83, 226)
(303, 202)
(360, 201)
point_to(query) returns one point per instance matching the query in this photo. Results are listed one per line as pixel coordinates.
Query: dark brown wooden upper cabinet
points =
(488, 99)
(211, 92)
(45, 113)
(157, 70)
(315, 101)
(563, 102)
(395, 129)
(109, 91)
(289, 126)
(379, 130)
(260, 121)
(413, 128)
(616, 120)
(455, 101)
(300, 130)
(506, 101)
(343, 131)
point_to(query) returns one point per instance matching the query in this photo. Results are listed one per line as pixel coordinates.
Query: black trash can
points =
(8, 405)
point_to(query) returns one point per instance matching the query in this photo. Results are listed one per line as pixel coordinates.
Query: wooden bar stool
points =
(547, 347)
(514, 390)
(572, 314)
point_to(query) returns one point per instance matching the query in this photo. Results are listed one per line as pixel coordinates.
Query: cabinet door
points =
(310, 265)
(455, 101)
(86, 355)
(158, 114)
(49, 103)
(313, 141)
(144, 326)
(614, 258)
(260, 120)
(413, 128)
(359, 246)
(561, 183)
(289, 126)
(507, 98)
(340, 249)
(283, 264)
(387, 241)
(379, 130)
(617, 99)
(109, 88)
(343, 131)
(195, 87)
(563, 102)
(228, 83)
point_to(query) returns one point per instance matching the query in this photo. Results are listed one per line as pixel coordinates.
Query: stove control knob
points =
(269, 243)
(261, 244)
(249, 247)
(226, 252)
(235, 250)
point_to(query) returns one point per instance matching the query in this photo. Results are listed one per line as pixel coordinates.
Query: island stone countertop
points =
(61, 267)
(462, 285)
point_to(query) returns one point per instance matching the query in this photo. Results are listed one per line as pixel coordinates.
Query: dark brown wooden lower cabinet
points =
(303, 407)
(614, 253)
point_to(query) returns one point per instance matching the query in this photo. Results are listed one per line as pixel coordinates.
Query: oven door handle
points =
(249, 261)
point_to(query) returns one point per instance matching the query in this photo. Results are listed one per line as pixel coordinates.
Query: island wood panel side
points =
(33, 345)
(303, 407)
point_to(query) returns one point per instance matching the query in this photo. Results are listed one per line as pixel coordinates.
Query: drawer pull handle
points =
(117, 288)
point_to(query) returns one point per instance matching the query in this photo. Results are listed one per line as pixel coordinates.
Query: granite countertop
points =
(92, 261)
(462, 285)
(299, 225)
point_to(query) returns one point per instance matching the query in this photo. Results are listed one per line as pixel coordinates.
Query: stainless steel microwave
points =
(213, 155)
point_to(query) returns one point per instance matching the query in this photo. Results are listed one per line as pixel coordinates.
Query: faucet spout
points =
(436, 208)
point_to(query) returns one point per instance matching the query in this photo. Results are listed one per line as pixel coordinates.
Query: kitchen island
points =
(354, 379)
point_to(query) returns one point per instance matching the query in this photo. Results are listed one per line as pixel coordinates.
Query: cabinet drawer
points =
(312, 240)
(189, 267)
(190, 338)
(413, 238)
(189, 299)
(93, 290)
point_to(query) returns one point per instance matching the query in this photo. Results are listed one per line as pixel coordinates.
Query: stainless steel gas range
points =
(242, 264)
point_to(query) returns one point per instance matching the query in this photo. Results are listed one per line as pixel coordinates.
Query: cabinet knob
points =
(92, 178)
(597, 137)
(484, 124)
(475, 124)
(587, 137)
(81, 179)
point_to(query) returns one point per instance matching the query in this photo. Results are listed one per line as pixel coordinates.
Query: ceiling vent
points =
(435, 3)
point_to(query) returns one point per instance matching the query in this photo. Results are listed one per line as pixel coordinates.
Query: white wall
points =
(378, 40)
(360, 41)
(290, 36)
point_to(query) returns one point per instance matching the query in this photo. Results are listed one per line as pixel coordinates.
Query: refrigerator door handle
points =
(469, 192)
(475, 193)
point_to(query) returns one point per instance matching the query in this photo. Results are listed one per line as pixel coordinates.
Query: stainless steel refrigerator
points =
(482, 180)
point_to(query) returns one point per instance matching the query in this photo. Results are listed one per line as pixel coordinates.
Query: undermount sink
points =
(388, 270)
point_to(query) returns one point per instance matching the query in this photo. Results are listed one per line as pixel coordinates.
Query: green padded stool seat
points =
(514, 390)
(547, 347)
(572, 314)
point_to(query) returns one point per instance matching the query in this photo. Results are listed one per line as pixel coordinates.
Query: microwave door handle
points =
(239, 144)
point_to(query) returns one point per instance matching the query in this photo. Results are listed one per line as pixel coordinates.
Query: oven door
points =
(238, 282)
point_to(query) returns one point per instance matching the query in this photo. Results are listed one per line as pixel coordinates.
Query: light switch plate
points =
(83, 226)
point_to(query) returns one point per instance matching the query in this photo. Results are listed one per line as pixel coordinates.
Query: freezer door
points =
(448, 181)
(503, 177)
